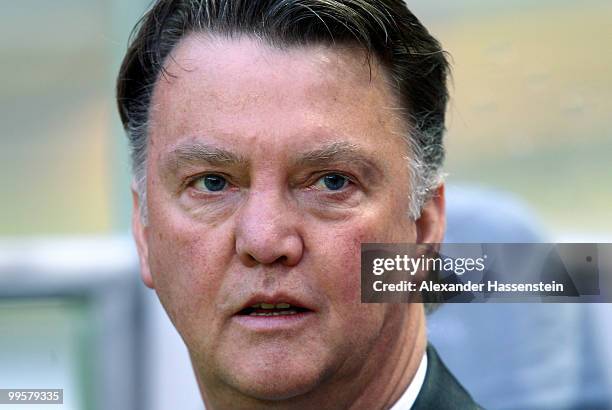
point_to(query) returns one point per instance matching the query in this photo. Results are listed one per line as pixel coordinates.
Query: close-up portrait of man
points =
(269, 140)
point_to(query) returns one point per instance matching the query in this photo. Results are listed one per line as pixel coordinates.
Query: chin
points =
(275, 377)
(275, 389)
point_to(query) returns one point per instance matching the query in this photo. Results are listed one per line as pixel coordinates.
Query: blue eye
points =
(333, 182)
(212, 183)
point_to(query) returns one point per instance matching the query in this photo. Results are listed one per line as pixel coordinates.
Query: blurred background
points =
(529, 136)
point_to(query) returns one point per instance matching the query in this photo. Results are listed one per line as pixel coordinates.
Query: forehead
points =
(245, 91)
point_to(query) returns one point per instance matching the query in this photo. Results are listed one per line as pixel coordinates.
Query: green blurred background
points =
(530, 110)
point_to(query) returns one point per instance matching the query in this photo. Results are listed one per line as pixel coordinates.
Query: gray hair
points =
(416, 64)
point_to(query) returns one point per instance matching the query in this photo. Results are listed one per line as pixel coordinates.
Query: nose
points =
(267, 231)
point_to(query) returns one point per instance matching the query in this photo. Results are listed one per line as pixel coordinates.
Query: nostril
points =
(248, 260)
(269, 247)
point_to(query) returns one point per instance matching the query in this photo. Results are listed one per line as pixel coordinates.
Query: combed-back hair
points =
(416, 64)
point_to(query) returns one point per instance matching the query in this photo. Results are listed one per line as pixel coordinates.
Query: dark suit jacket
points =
(440, 389)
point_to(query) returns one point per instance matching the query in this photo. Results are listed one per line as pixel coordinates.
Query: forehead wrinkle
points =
(193, 153)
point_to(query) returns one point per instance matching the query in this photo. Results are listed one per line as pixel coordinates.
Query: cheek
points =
(187, 264)
(339, 257)
(354, 325)
(339, 264)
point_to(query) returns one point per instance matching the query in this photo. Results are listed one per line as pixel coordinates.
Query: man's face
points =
(267, 169)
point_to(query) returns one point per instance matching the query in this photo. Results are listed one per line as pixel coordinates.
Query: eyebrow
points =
(197, 153)
(339, 152)
(194, 153)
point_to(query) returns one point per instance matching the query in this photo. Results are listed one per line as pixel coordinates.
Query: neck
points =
(386, 374)
(394, 371)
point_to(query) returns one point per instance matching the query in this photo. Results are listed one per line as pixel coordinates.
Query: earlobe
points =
(432, 223)
(140, 237)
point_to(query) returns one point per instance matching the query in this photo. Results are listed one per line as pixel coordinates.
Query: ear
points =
(139, 232)
(432, 223)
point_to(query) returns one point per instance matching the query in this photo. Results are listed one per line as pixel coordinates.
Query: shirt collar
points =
(407, 399)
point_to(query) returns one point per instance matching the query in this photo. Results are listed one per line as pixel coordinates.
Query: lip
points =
(275, 323)
(274, 299)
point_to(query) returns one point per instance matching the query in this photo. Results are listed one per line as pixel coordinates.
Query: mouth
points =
(266, 309)
(274, 313)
